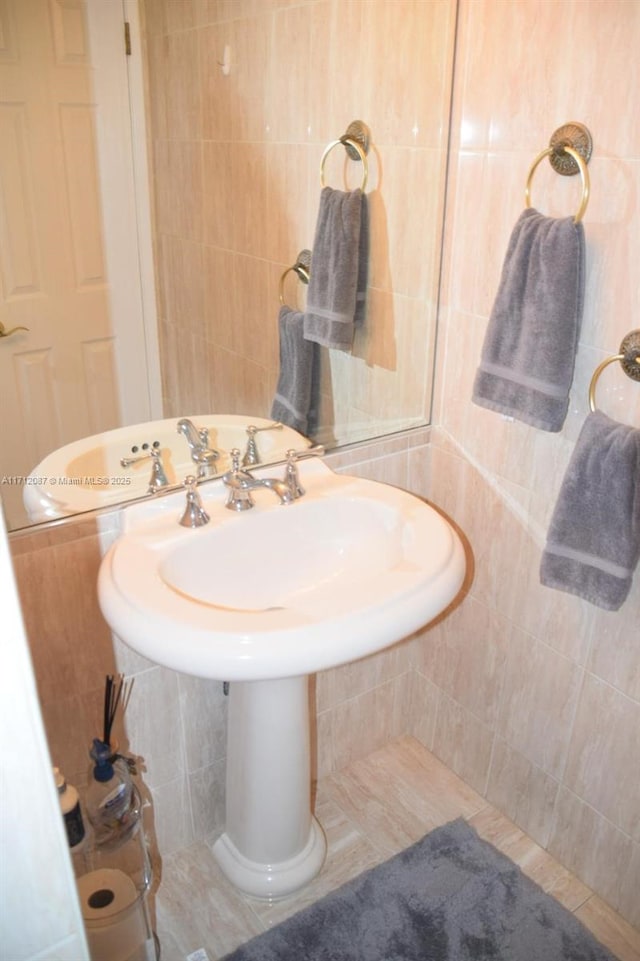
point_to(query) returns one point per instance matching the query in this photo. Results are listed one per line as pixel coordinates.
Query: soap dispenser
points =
(70, 807)
(110, 799)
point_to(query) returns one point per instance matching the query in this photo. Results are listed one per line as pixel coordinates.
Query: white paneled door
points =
(64, 355)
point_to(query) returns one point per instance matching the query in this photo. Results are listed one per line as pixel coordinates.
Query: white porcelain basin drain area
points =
(264, 598)
(295, 560)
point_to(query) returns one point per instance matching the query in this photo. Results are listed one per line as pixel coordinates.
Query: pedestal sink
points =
(264, 598)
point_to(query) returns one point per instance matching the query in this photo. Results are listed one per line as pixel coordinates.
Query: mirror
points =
(242, 101)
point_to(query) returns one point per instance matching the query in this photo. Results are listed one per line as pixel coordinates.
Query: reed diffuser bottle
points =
(110, 802)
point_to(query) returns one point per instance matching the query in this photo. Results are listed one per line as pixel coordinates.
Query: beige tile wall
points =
(71, 648)
(235, 168)
(537, 693)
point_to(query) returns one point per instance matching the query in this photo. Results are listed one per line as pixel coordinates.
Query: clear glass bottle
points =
(110, 800)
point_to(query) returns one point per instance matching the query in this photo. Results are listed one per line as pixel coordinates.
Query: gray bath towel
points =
(339, 264)
(297, 394)
(529, 350)
(593, 543)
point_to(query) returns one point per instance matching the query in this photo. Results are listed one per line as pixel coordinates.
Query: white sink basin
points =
(263, 598)
(87, 474)
(280, 591)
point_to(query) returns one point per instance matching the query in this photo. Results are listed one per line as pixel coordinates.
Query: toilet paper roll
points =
(114, 915)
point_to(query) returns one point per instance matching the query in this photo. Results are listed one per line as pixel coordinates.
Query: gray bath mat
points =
(450, 897)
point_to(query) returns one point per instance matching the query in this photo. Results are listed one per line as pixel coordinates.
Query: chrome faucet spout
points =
(241, 483)
(278, 487)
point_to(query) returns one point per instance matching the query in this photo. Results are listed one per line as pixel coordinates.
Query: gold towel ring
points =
(355, 140)
(584, 176)
(346, 141)
(301, 268)
(629, 358)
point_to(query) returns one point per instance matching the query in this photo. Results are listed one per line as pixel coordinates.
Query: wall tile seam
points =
(184, 760)
(492, 478)
(190, 771)
(131, 675)
(560, 777)
(313, 145)
(495, 730)
(436, 717)
(420, 450)
(500, 673)
(447, 760)
(569, 741)
(445, 694)
(217, 762)
(185, 778)
(561, 785)
(633, 842)
(612, 687)
(520, 153)
(218, 248)
(513, 623)
(453, 312)
(487, 781)
(240, 18)
(181, 31)
(218, 716)
(24, 533)
(581, 665)
(533, 764)
(156, 805)
(394, 678)
(367, 450)
(564, 754)
(363, 464)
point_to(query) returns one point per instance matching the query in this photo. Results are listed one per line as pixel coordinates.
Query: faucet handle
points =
(158, 475)
(275, 425)
(194, 515)
(235, 460)
(251, 454)
(291, 478)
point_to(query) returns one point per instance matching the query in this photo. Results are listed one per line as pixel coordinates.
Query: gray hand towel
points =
(363, 264)
(297, 394)
(339, 263)
(593, 543)
(530, 346)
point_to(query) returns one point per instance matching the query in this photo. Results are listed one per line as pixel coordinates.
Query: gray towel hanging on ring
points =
(528, 356)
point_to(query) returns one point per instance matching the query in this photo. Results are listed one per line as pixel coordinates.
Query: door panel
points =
(59, 380)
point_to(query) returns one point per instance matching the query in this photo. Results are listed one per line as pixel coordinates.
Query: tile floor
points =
(369, 811)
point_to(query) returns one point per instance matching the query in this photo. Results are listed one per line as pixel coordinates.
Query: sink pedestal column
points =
(272, 844)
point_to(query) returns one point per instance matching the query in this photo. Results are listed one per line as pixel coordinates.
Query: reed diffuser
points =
(116, 691)
(111, 803)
